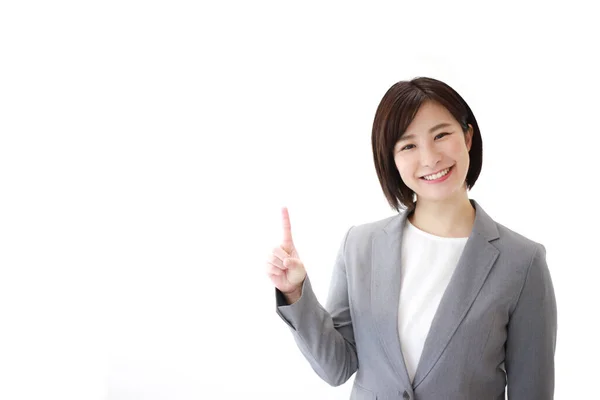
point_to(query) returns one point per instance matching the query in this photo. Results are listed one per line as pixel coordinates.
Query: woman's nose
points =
(430, 157)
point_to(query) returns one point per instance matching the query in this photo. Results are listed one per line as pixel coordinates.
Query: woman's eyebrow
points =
(438, 126)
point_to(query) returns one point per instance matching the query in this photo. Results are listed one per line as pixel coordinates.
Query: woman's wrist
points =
(293, 296)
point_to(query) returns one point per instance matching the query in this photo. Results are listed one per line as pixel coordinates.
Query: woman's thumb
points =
(291, 262)
(295, 270)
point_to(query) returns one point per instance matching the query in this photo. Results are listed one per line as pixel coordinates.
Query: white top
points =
(428, 262)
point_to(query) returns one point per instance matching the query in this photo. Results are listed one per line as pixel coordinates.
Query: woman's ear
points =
(469, 137)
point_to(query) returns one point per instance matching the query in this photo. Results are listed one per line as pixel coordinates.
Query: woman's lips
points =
(441, 179)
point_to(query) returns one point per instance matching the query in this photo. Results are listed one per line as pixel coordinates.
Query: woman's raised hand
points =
(284, 266)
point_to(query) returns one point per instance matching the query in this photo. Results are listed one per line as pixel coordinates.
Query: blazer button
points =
(405, 395)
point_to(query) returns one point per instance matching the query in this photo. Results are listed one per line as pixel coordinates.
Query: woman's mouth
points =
(439, 176)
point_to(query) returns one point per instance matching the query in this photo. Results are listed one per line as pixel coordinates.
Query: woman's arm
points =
(531, 338)
(325, 338)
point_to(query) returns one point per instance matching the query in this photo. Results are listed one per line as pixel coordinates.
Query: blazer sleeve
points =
(324, 335)
(531, 340)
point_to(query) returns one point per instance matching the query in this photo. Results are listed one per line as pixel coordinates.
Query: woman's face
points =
(432, 143)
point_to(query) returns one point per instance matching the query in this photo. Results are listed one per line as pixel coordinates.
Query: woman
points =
(438, 301)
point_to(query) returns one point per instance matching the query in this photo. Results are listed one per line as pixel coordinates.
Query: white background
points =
(146, 149)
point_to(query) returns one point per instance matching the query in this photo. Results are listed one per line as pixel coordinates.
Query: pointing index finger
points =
(287, 228)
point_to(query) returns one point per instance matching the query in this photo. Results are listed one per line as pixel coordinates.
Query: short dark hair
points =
(394, 114)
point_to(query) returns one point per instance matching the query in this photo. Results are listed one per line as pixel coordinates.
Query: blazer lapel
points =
(471, 271)
(385, 290)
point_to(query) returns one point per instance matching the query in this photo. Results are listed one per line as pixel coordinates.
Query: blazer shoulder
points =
(519, 249)
(514, 241)
(361, 235)
(373, 226)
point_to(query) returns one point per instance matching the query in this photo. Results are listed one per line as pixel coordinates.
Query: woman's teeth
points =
(436, 176)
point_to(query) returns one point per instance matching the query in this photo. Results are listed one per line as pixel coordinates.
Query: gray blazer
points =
(495, 327)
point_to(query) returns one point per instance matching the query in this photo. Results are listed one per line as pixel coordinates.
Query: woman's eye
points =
(439, 135)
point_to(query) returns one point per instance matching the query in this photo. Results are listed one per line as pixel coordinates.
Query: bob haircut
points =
(394, 114)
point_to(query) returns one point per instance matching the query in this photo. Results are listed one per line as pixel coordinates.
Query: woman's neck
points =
(453, 218)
